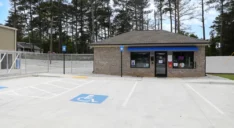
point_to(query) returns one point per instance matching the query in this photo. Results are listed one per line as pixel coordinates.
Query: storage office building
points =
(151, 54)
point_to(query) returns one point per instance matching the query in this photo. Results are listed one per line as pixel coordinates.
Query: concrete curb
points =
(13, 77)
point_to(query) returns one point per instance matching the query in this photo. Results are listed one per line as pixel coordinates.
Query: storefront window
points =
(140, 60)
(183, 59)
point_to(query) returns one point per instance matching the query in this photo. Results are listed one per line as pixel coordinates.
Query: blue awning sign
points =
(163, 48)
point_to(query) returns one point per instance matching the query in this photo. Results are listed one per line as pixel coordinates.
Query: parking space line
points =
(42, 90)
(3, 92)
(81, 85)
(206, 100)
(129, 95)
(56, 86)
(69, 82)
(27, 96)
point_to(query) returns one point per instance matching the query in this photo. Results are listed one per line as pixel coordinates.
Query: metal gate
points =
(16, 63)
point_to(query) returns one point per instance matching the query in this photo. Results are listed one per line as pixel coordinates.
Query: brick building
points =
(151, 53)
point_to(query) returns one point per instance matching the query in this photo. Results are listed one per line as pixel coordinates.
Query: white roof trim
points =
(2, 26)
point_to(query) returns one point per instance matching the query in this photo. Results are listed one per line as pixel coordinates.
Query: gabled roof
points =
(2, 26)
(150, 37)
(27, 45)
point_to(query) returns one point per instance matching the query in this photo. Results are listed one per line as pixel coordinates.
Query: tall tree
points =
(219, 5)
(223, 27)
(159, 4)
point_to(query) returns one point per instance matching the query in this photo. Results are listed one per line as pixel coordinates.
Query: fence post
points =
(7, 62)
(20, 63)
(25, 59)
(71, 63)
(48, 63)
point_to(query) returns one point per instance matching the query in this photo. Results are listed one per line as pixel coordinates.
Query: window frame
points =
(194, 63)
(139, 67)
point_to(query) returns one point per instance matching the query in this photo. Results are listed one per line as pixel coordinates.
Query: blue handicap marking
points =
(2, 87)
(90, 98)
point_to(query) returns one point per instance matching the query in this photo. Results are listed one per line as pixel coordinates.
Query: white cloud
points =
(1, 4)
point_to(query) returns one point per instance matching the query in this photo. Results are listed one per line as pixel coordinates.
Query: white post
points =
(7, 63)
(13, 63)
(71, 63)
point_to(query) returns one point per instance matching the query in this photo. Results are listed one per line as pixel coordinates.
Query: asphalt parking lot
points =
(114, 102)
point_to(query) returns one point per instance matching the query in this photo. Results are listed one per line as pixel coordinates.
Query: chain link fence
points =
(17, 63)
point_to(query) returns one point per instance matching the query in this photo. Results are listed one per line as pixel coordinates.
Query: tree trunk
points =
(170, 13)
(159, 22)
(92, 17)
(109, 20)
(175, 16)
(40, 26)
(221, 31)
(72, 40)
(161, 13)
(155, 21)
(31, 26)
(203, 21)
(96, 23)
(76, 39)
(81, 28)
(51, 25)
(15, 13)
(178, 15)
(135, 11)
(142, 18)
(60, 27)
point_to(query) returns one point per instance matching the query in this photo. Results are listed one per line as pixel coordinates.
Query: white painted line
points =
(56, 86)
(38, 97)
(129, 95)
(69, 82)
(206, 100)
(15, 92)
(72, 89)
(28, 86)
(43, 90)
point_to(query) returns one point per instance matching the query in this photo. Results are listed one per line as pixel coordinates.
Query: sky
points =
(195, 24)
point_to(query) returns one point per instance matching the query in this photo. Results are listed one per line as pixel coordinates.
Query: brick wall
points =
(199, 58)
(107, 61)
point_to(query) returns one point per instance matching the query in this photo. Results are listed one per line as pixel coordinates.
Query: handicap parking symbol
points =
(90, 98)
(2, 87)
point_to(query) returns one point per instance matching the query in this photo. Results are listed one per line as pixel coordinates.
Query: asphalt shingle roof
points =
(27, 45)
(150, 37)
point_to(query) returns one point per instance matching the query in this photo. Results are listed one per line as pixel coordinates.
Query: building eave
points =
(6, 27)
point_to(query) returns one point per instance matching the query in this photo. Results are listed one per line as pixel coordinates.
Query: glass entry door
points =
(161, 64)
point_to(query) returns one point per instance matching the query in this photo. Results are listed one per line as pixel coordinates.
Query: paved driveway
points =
(113, 102)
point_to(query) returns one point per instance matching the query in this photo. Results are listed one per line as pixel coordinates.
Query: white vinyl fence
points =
(16, 63)
(220, 64)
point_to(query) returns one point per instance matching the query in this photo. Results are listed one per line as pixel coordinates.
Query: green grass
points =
(229, 76)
